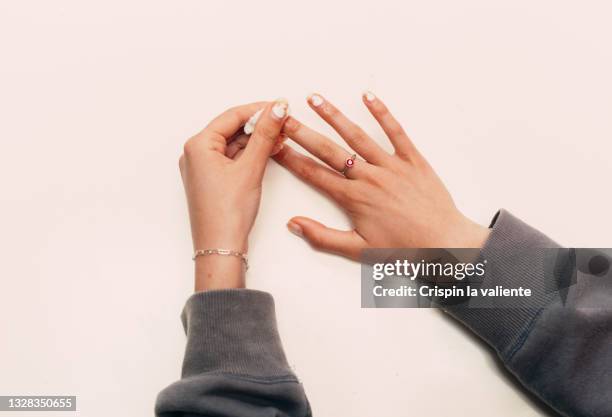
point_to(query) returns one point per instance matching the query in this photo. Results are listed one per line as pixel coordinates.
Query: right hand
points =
(393, 201)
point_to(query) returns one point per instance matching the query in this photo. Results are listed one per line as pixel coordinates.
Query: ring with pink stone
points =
(349, 163)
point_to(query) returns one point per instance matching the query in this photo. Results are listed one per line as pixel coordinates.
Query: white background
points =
(510, 101)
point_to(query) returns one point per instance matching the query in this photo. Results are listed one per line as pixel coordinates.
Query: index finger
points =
(230, 121)
(313, 173)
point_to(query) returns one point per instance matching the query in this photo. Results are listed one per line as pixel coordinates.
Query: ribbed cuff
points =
(516, 256)
(233, 331)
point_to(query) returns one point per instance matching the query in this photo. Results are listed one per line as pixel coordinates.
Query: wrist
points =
(237, 242)
(470, 234)
(218, 271)
(214, 272)
(457, 231)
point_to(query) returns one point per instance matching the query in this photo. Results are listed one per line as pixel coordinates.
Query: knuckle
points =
(420, 163)
(267, 131)
(317, 241)
(358, 137)
(282, 156)
(307, 172)
(292, 126)
(396, 130)
(231, 115)
(380, 109)
(342, 195)
(355, 193)
(330, 111)
(230, 111)
(188, 148)
(342, 192)
(327, 151)
(373, 179)
(353, 130)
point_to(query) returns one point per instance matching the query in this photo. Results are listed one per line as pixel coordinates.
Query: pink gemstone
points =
(349, 162)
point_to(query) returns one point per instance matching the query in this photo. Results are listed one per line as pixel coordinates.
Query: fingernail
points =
(280, 108)
(315, 99)
(369, 96)
(295, 228)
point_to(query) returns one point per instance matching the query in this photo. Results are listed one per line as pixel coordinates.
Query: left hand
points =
(222, 178)
(393, 200)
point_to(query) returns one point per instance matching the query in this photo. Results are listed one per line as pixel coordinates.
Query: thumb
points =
(347, 243)
(265, 135)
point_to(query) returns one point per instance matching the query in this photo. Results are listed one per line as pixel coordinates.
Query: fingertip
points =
(323, 107)
(280, 109)
(304, 222)
(374, 104)
(295, 228)
(315, 100)
(368, 97)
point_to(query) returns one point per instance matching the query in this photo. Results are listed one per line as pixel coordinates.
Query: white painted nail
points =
(316, 100)
(369, 96)
(280, 108)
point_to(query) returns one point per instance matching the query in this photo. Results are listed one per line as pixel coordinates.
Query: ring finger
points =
(325, 149)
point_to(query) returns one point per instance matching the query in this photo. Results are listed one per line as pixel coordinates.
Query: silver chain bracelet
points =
(223, 252)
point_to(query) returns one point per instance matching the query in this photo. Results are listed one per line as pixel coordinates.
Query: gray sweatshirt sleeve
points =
(234, 362)
(562, 350)
(235, 366)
